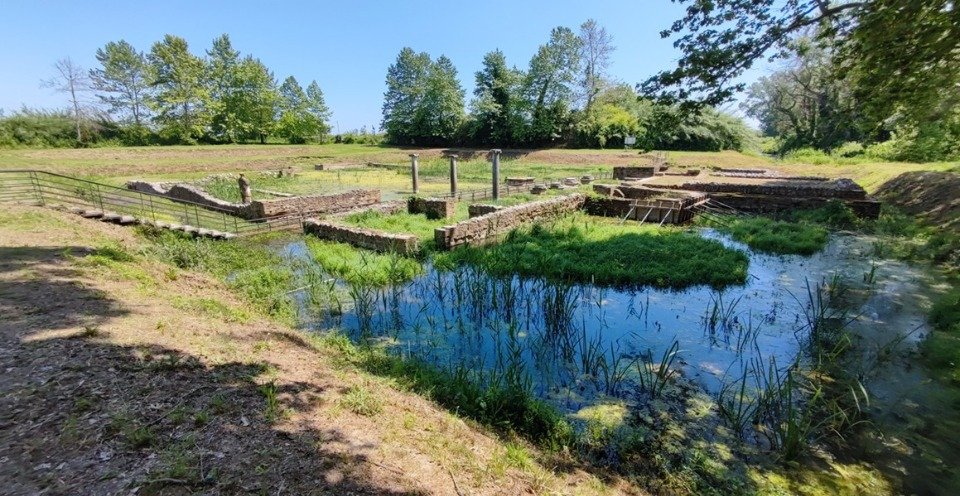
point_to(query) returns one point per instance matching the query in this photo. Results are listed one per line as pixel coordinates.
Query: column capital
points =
(414, 155)
(496, 151)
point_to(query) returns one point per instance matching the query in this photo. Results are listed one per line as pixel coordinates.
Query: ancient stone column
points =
(453, 174)
(415, 171)
(496, 173)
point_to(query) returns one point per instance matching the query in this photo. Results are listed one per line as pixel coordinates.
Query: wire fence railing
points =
(480, 193)
(51, 189)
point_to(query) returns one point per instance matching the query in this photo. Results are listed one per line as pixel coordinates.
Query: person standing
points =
(245, 196)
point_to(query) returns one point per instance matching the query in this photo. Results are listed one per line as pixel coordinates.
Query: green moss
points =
(581, 249)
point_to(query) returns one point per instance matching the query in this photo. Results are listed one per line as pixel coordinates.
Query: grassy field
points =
(118, 165)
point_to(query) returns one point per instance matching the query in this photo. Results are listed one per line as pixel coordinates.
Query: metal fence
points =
(50, 189)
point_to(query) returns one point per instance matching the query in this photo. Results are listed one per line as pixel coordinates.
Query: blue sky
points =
(345, 46)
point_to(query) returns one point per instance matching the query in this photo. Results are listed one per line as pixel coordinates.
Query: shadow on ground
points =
(80, 415)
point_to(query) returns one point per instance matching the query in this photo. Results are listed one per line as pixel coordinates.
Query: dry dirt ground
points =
(110, 387)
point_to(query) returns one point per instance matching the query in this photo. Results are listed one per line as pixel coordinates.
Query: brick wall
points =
(867, 208)
(839, 188)
(478, 209)
(432, 208)
(259, 209)
(485, 228)
(632, 172)
(315, 204)
(364, 238)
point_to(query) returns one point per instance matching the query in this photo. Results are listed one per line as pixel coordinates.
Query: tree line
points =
(170, 95)
(564, 97)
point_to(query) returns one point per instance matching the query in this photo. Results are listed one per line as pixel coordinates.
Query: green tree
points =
(317, 106)
(223, 79)
(670, 127)
(303, 115)
(615, 114)
(123, 81)
(549, 86)
(496, 103)
(182, 95)
(406, 87)
(806, 104)
(899, 55)
(255, 100)
(439, 114)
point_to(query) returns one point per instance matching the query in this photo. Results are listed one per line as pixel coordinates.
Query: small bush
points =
(361, 401)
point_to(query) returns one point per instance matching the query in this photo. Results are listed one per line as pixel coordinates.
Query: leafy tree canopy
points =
(899, 55)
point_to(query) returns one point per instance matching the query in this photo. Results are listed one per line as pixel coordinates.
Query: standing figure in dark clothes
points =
(245, 196)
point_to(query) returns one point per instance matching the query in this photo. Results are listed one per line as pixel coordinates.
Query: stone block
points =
(433, 208)
(364, 238)
(486, 228)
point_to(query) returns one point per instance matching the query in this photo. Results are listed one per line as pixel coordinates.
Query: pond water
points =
(578, 344)
(559, 333)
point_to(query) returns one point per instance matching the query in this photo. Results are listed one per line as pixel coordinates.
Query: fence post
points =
(414, 171)
(36, 187)
(453, 174)
(496, 173)
(100, 198)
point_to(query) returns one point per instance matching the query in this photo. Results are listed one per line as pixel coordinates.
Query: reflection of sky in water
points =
(555, 331)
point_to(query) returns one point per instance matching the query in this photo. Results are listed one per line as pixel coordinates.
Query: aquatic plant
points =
(608, 255)
(777, 237)
(615, 369)
(654, 377)
(357, 266)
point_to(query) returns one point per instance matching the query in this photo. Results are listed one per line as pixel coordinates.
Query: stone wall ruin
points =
(486, 228)
(384, 242)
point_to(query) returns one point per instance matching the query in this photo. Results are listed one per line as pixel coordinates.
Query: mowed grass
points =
(777, 237)
(590, 250)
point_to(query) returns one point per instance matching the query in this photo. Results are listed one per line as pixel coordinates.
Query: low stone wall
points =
(191, 194)
(432, 208)
(385, 208)
(633, 172)
(485, 228)
(364, 238)
(660, 210)
(478, 209)
(839, 188)
(336, 167)
(260, 209)
(866, 208)
(315, 204)
(520, 181)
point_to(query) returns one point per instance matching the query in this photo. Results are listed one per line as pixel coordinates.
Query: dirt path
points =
(127, 377)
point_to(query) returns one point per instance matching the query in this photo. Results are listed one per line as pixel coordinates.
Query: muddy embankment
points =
(934, 197)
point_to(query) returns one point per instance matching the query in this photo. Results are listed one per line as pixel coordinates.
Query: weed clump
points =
(575, 249)
(360, 267)
(777, 237)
